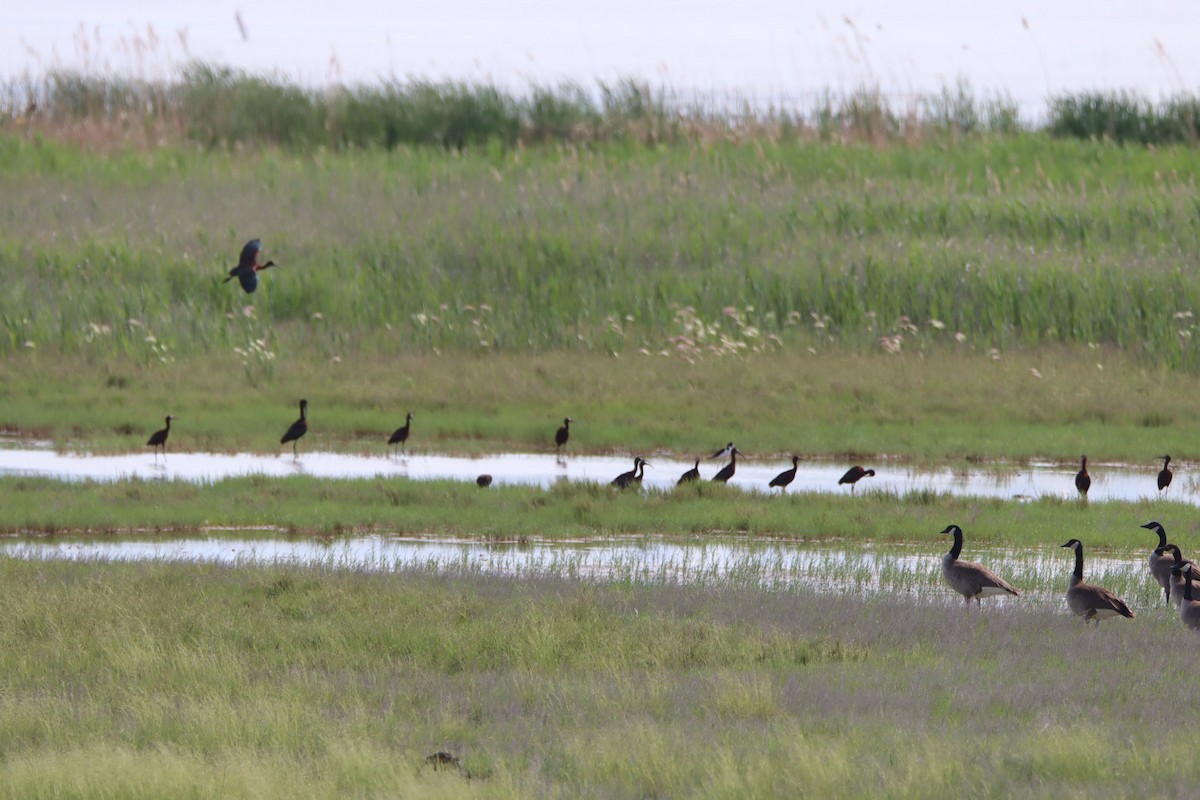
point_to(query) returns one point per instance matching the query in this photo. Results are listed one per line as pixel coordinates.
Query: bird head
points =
(1073, 543)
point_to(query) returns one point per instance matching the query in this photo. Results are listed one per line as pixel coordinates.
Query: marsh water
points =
(913, 571)
(1030, 481)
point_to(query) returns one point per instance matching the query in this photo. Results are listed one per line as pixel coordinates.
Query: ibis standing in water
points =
(159, 439)
(1083, 481)
(691, 475)
(727, 471)
(248, 267)
(560, 437)
(400, 435)
(854, 475)
(635, 475)
(298, 429)
(786, 477)
(1165, 474)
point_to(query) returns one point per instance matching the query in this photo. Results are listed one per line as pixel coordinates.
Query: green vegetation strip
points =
(150, 680)
(306, 505)
(948, 409)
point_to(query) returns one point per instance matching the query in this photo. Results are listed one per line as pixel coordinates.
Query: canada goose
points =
(1093, 603)
(1176, 576)
(627, 479)
(1189, 607)
(1160, 562)
(854, 475)
(691, 475)
(1083, 481)
(973, 581)
(786, 477)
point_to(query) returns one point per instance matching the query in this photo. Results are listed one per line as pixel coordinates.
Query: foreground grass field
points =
(149, 680)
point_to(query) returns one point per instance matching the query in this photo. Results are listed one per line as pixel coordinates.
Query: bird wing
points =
(249, 254)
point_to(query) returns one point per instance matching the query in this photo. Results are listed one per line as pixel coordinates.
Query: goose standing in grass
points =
(1165, 474)
(627, 479)
(783, 479)
(1093, 603)
(1178, 562)
(973, 581)
(159, 439)
(1160, 562)
(298, 429)
(854, 475)
(727, 471)
(400, 435)
(691, 476)
(1189, 607)
(1083, 481)
(561, 436)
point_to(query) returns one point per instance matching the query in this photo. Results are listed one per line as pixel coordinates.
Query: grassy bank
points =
(945, 406)
(302, 505)
(198, 680)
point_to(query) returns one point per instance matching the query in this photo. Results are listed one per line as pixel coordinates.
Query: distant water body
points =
(778, 52)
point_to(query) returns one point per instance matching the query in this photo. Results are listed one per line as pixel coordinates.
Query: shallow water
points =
(1024, 482)
(913, 571)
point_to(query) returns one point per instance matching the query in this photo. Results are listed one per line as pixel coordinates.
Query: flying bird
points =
(248, 267)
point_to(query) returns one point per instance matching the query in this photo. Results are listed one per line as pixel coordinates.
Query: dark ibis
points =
(483, 481)
(298, 429)
(691, 475)
(724, 451)
(1083, 481)
(787, 476)
(400, 435)
(159, 439)
(248, 267)
(635, 475)
(854, 475)
(727, 471)
(1165, 475)
(561, 435)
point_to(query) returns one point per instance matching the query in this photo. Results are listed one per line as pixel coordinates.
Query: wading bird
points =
(298, 429)
(1083, 481)
(1178, 562)
(691, 475)
(159, 439)
(854, 475)
(248, 267)
(973, 581)
(724, 451)
(561, 435)
(483, 481)
(627, 479)
(1160, 562)
(727, 471)
(786, 477)
(1093, 603)
(1165, 474)
(1189, 607)
(400, 435)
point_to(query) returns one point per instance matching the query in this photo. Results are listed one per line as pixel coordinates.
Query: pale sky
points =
(763, 48)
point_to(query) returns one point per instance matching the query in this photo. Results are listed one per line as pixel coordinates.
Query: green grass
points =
(304, 505)
(945, 407)
(144, 680)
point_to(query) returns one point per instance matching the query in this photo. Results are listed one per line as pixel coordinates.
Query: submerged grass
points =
(271, 682)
